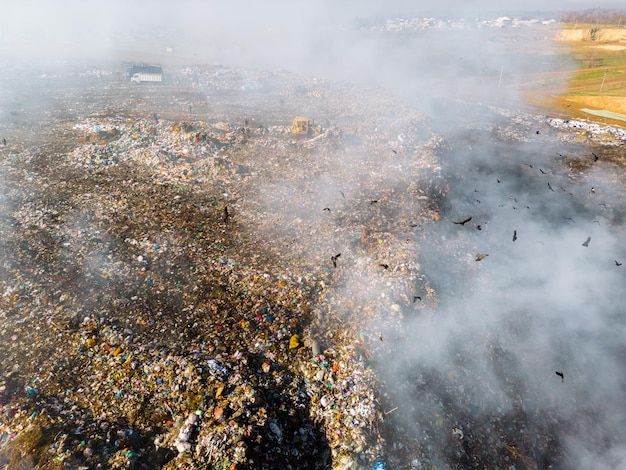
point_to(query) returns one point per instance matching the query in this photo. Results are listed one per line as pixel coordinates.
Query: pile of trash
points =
(184, 288)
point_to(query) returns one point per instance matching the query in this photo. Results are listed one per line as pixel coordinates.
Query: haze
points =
(545, 301)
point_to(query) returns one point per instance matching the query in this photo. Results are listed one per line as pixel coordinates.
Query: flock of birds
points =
(481, 256)
(464, 221)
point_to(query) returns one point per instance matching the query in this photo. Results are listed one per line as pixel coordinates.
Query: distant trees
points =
(596, 16)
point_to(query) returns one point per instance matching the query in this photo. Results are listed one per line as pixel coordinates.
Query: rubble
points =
(162, 274)
(189, 286)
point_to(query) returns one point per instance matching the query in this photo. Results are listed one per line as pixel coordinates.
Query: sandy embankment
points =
(599, 96)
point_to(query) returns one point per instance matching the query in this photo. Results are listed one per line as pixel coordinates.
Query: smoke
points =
(544, 300)
(540, 304)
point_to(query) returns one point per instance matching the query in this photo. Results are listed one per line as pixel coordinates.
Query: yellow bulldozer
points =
(304, 127)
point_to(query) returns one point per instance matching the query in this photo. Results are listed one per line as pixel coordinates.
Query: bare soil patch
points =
(595, 78)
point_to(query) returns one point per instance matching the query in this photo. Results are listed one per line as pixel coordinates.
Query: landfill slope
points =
(178, 271)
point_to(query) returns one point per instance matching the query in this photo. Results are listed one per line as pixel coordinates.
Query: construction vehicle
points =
(304, 127)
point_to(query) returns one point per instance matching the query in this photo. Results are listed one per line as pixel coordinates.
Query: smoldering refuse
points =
(468, 368)
(487, 356)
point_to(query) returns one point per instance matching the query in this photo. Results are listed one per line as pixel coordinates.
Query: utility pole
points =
(603, 78)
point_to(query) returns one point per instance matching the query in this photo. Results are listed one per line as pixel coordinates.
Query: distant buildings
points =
(421, 24)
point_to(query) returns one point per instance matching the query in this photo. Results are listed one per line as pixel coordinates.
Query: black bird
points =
(498, 181)
(543, 172)
(617, 263)
(373, 201)
(226, 213)
(550, 187)
(393, 151)
(383, 265)
(479, 227)
(416, 297)
(595, 157)
(334, 259)
(412, 225)
(463, 222)
(342, 194)
(481, 256)
(560, 374)
(586, 242)
(569, 218)
(514, 235)
(326, 209)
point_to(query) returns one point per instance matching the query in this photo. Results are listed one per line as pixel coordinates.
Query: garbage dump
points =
(190, 286)
(156, 265)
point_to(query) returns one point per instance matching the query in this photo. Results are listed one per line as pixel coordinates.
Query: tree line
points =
(596, 16)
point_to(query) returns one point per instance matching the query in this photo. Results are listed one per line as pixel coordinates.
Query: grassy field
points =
(591, 84)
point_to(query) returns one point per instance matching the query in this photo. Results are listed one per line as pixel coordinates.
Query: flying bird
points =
(394, 151)
(560, 374)
(383, 265)
(543, 172)
(617, 263)
(326, 209)
(463, 222)
(550, 187)
(226, 214)
(342, 194)
(479, 227)
(481, 256)
(334, 259)
(514, 235)
(586, 242)
(595, 157)
(373, 201)
(416, 297)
